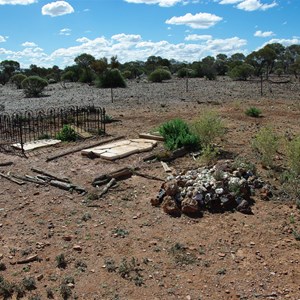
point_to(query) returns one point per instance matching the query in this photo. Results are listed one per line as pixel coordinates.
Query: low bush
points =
(159, 75)
(266, 144)
(253, 112)
(241, 72)
(33, 86)
(17, 80)
(208, 127)
(67, 134)
(293, 155)
(185, 72)
(112, 78)
(177, 134)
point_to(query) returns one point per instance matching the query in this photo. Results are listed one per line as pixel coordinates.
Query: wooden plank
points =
(149, 136)
(12, 179)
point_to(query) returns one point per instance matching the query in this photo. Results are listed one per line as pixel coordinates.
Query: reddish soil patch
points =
(217, 256)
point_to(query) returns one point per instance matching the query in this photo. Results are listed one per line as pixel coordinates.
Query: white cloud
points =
(128, 47)
(122, 37)
(264, 34)
(2, 39)
(197, 21)
(57, 8)
(197, 37)
(17, 2)
(65, 31)
(163, 3)
(229, 1)
(284, 42)
(29, 44)
(250, 5)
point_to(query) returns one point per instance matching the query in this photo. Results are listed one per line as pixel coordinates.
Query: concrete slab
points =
(113, 145)
(121, 149)
(37, 144)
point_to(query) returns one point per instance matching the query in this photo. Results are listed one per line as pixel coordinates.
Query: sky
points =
(48, 33)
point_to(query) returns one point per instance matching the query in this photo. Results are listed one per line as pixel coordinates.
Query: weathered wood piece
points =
(107, 187)
(28, 259)
(119, 174)
(67, 186)
(6, 163)
(29, 179)
(150, 136)
(12, 179)
(53, 176)
(61, 184)
(166, 167)
(147, 176)
(82, 148)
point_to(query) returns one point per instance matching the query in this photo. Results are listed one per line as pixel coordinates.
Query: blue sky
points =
(49, 33)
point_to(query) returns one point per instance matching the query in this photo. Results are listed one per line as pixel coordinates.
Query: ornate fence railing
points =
(22, 127)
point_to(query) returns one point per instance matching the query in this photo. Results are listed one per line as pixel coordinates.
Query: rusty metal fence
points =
(21, 127)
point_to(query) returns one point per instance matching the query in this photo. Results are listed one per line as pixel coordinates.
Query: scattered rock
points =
(77, 247)
(216, 189)
(170, 207)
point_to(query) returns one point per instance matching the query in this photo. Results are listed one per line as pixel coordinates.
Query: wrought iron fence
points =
(22, 127)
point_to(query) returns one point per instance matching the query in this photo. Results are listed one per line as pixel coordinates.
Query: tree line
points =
(271, 59)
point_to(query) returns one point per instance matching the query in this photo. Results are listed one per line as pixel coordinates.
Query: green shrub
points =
(17, 80)
(67, 134)
(61, 261)
(69, 76)
(33, 86)
(253, 112)
(6, 288)
(127, 74)
(159, 75)
(266, 144)
(29, 283)
(241, 72)
(185, 72)
(177, 134)
(293, 155)
(86, 76)
(208, 128)
(209, 154)
(111, 78)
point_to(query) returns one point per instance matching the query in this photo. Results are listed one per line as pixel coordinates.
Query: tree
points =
(111, 78)
(7, 69)
(84, 61)
(99, 66)
(208, 67)
(241, 72)
(33, 86)
(17, 79)
(114, 63)
(159, 75)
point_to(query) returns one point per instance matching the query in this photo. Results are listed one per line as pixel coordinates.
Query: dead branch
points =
(147, 176)
(53, 176)
(12, 179)
(107, 187)
(6, 163)
(29, 179)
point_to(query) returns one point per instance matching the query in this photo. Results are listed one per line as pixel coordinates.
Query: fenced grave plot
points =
(21, 129)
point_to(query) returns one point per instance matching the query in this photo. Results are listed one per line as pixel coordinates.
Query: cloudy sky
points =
(49, 33)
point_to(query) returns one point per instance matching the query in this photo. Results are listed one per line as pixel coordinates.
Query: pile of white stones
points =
(216, 189)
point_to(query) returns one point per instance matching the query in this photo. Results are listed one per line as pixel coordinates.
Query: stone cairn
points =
(216, 189)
